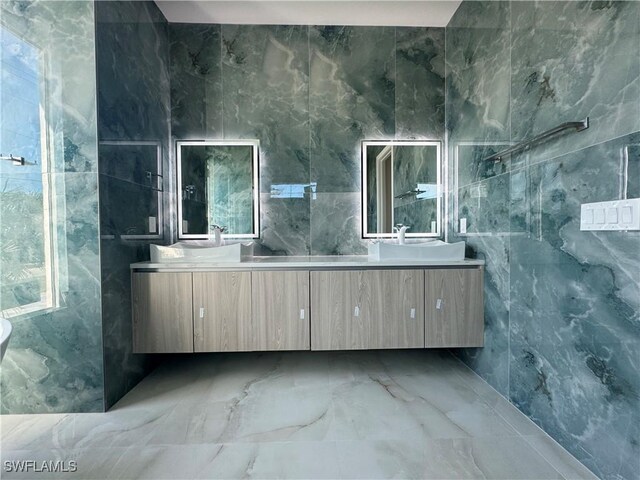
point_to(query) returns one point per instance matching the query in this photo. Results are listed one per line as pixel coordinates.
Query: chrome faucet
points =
(217, 231)
(401, 229)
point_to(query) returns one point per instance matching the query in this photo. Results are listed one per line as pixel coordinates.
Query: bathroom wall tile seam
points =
(395, 76)
(449, 227)
(309, 96)
(309, 134)
(222, 93)
(510, 124)
(446, 214)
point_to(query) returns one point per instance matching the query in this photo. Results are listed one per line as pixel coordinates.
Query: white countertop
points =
(304, 263)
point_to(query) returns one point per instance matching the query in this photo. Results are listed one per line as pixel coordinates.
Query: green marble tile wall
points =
(132, 57)
(310, 95)
(50, 265)
(562, 306)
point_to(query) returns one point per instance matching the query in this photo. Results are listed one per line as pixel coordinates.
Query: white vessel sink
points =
(435, 250)
(200, 251)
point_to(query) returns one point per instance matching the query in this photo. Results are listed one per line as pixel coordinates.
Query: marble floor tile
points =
(496, 458)
(27, 424)
(226, 461)
(559, 458)
(376, 414)
(506, 458)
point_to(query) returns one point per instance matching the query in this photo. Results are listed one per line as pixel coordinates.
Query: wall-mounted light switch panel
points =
(615, 215)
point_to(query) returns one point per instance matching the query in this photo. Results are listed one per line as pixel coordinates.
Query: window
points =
(28, 259)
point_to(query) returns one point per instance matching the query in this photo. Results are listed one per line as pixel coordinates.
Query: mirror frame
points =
(255, 145)
(440, 189)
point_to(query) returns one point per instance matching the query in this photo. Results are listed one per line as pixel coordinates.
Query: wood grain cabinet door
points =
(454, 310)
(367, 309)
(280, 310)
(162, 312)
(222, 312)
(399, 314)
(338, 321)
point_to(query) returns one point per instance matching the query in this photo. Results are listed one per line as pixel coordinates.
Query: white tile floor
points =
(368, 415)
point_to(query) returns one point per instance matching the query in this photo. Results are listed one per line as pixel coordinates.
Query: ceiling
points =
(410, 13)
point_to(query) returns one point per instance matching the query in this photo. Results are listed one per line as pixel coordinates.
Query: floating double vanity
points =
(306, 303)
(196, 297)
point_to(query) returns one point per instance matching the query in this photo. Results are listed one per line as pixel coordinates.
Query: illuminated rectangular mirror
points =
(401, 184)
(218, 185)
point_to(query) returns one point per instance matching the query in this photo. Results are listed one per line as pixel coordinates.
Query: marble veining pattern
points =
(584, 326)
(478, 73)
(284, 228)
(310, 94)
(265, 74)
(335, 225)
(562, 306)
(478, 120)
(196, 81)
(351, 98)
(587, 66)
(419, 86)
(133, 117)
(402, 414)
(54, 362)
(492, 361)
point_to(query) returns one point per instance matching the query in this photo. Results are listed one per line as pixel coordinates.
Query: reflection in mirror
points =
(401, 184)
(218, 185)
(131, 186)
